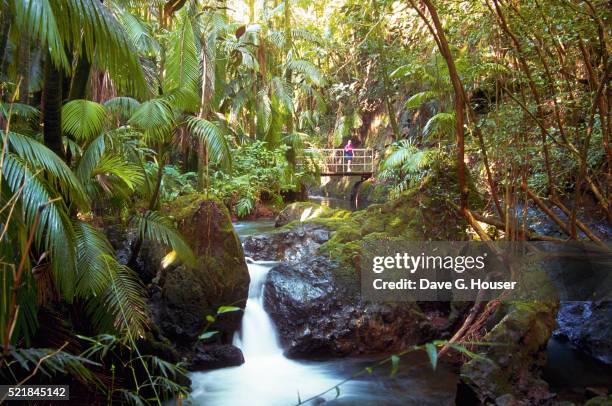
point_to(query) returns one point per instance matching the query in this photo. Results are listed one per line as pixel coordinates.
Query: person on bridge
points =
(348, 154)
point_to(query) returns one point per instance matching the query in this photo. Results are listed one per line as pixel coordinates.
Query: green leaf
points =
(210, 318)
(418, 99)
(83, 119)
(432, 353)
(183, 63)
(153, 226)
(228, 309)
(402, 71)
(206, 335)
(36, 155)
(470, 354)
(394, 365)
(213, 137)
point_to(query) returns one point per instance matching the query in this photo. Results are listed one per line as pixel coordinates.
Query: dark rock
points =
(587, 326)
(207, 357)
(181, 295)
(316, 316)
(600, 401)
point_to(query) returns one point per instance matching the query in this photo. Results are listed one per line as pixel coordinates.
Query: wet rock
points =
(587, 326)
(316, 316)
(292, 245)
(207, 357)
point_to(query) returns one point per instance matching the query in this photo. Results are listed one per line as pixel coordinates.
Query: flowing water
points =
(268, 378)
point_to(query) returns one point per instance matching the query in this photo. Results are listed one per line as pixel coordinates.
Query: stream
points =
(268, 378)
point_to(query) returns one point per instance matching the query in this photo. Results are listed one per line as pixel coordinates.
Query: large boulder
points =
(185, 295)
(316, 316)
(509, 372)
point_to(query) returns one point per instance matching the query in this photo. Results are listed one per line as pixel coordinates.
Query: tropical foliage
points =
(110, 109)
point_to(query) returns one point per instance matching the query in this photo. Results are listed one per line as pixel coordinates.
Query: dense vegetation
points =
(109, 109)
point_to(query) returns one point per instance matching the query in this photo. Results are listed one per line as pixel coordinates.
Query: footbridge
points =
(335, 162)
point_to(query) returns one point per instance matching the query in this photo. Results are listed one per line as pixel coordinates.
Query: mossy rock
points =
(188, 294)
(511, 366)
(303, 211)
(418, 214)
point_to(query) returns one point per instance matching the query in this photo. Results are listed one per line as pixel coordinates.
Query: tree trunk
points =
(80, 79)
(4, 38)
(52, 107)
(24, 69)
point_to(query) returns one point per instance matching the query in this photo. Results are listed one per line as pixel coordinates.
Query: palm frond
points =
(115, 165)
(264, 113)
(213, 137)
(155, 227)
(155, 118)
(282, 94)
(441, 124)
(37, 18)
(83, 119)
(183, 63)
(307, 69)
(54, 233)
(114, 291)
(52, 363)
(416, 100)
(24, 111)
(122, 105)
(37, 155)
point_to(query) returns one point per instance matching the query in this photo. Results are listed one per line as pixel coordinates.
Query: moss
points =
(308, 211)
(371, 191)
(600, 401)
(510, 367)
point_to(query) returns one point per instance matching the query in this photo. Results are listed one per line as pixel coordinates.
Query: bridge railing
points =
(335, 161)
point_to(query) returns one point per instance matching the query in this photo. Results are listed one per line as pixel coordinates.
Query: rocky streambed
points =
(312, 295)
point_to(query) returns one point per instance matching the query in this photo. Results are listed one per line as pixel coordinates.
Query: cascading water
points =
(267, 377)
(257, 337)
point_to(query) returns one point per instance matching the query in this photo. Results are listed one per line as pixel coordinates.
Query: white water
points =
(257, 338)
(267, 378)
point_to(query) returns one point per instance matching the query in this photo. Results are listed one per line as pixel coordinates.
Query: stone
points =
(206, 357)
(185, 295)
(587, 326)
(316, 316)
(510, 371)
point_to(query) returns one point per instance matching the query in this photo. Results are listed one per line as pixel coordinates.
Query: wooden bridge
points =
(334, 162)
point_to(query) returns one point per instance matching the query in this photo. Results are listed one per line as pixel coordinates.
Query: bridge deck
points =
(335, 162)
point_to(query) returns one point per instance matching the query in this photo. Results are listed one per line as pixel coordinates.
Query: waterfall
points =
(257, 336)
